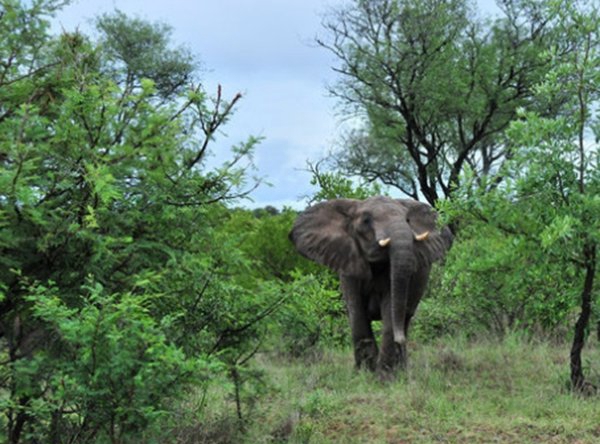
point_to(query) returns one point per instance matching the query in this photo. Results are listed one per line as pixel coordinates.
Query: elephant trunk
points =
(399, 307)
(402, 267)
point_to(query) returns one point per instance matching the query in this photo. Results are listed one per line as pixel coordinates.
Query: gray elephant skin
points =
(383, 250)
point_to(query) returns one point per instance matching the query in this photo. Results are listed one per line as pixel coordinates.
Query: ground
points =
(455, 391)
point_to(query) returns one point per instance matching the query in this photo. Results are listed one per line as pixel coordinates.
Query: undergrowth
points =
(455, 391)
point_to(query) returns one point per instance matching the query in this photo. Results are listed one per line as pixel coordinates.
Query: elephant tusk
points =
(384, 242)
(422, 236)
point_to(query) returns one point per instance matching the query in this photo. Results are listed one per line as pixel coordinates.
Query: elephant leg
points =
(392, 355)
(363, 340)
(365, 353)
(416, 289)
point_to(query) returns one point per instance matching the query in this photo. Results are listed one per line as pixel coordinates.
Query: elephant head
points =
(357, 238)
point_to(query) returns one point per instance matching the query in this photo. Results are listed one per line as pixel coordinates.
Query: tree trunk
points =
(578, 382)
(16, 426)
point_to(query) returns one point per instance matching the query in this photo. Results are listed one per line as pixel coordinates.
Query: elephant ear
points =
(321, 233)
(431, 242)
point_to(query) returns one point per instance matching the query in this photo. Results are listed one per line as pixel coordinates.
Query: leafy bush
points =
(539, 214)
(491, 282)
(313, 316)
(302, 299)
(334, 185)
(116, 289)
(107, 371)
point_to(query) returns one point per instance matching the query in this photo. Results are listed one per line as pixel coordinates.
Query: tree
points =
(310, 312)
(549, 198)
(333, 185)
(434, 87)
(115, 289)
(135, 49)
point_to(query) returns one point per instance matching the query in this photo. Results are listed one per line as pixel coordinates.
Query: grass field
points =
(514, 391)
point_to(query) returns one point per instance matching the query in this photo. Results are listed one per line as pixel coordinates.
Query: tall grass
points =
(513, 391)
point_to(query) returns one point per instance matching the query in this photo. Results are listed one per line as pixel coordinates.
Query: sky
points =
(266, 50)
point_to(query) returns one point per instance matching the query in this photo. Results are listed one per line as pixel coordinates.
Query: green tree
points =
(134, 49)
(310, 313)
(547, 210)
(434, 87)
(334, 185)
(115, 288)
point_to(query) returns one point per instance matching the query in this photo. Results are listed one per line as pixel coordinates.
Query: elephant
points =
(382, 249)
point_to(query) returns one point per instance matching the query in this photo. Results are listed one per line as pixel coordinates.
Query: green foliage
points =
(310, 314)
(117, 290)
(530, 235)
(433, 86)
(496, 283)
(263, 238)
(313, 317)
(107, 370)
(334, 185)
(135, 49)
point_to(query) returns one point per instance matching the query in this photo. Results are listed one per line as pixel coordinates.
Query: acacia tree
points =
(134, 49)
(548, 206)
(109, 302)
(434, 87)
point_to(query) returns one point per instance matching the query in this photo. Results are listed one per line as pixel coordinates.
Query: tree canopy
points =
(434, 87)
(109, 304)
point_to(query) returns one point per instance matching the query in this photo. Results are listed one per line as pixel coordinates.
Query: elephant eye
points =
(365, 224)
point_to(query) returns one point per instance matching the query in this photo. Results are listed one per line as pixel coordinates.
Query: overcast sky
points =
(264, 49)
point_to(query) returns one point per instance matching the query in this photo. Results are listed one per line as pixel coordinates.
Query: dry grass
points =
(457, 392)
